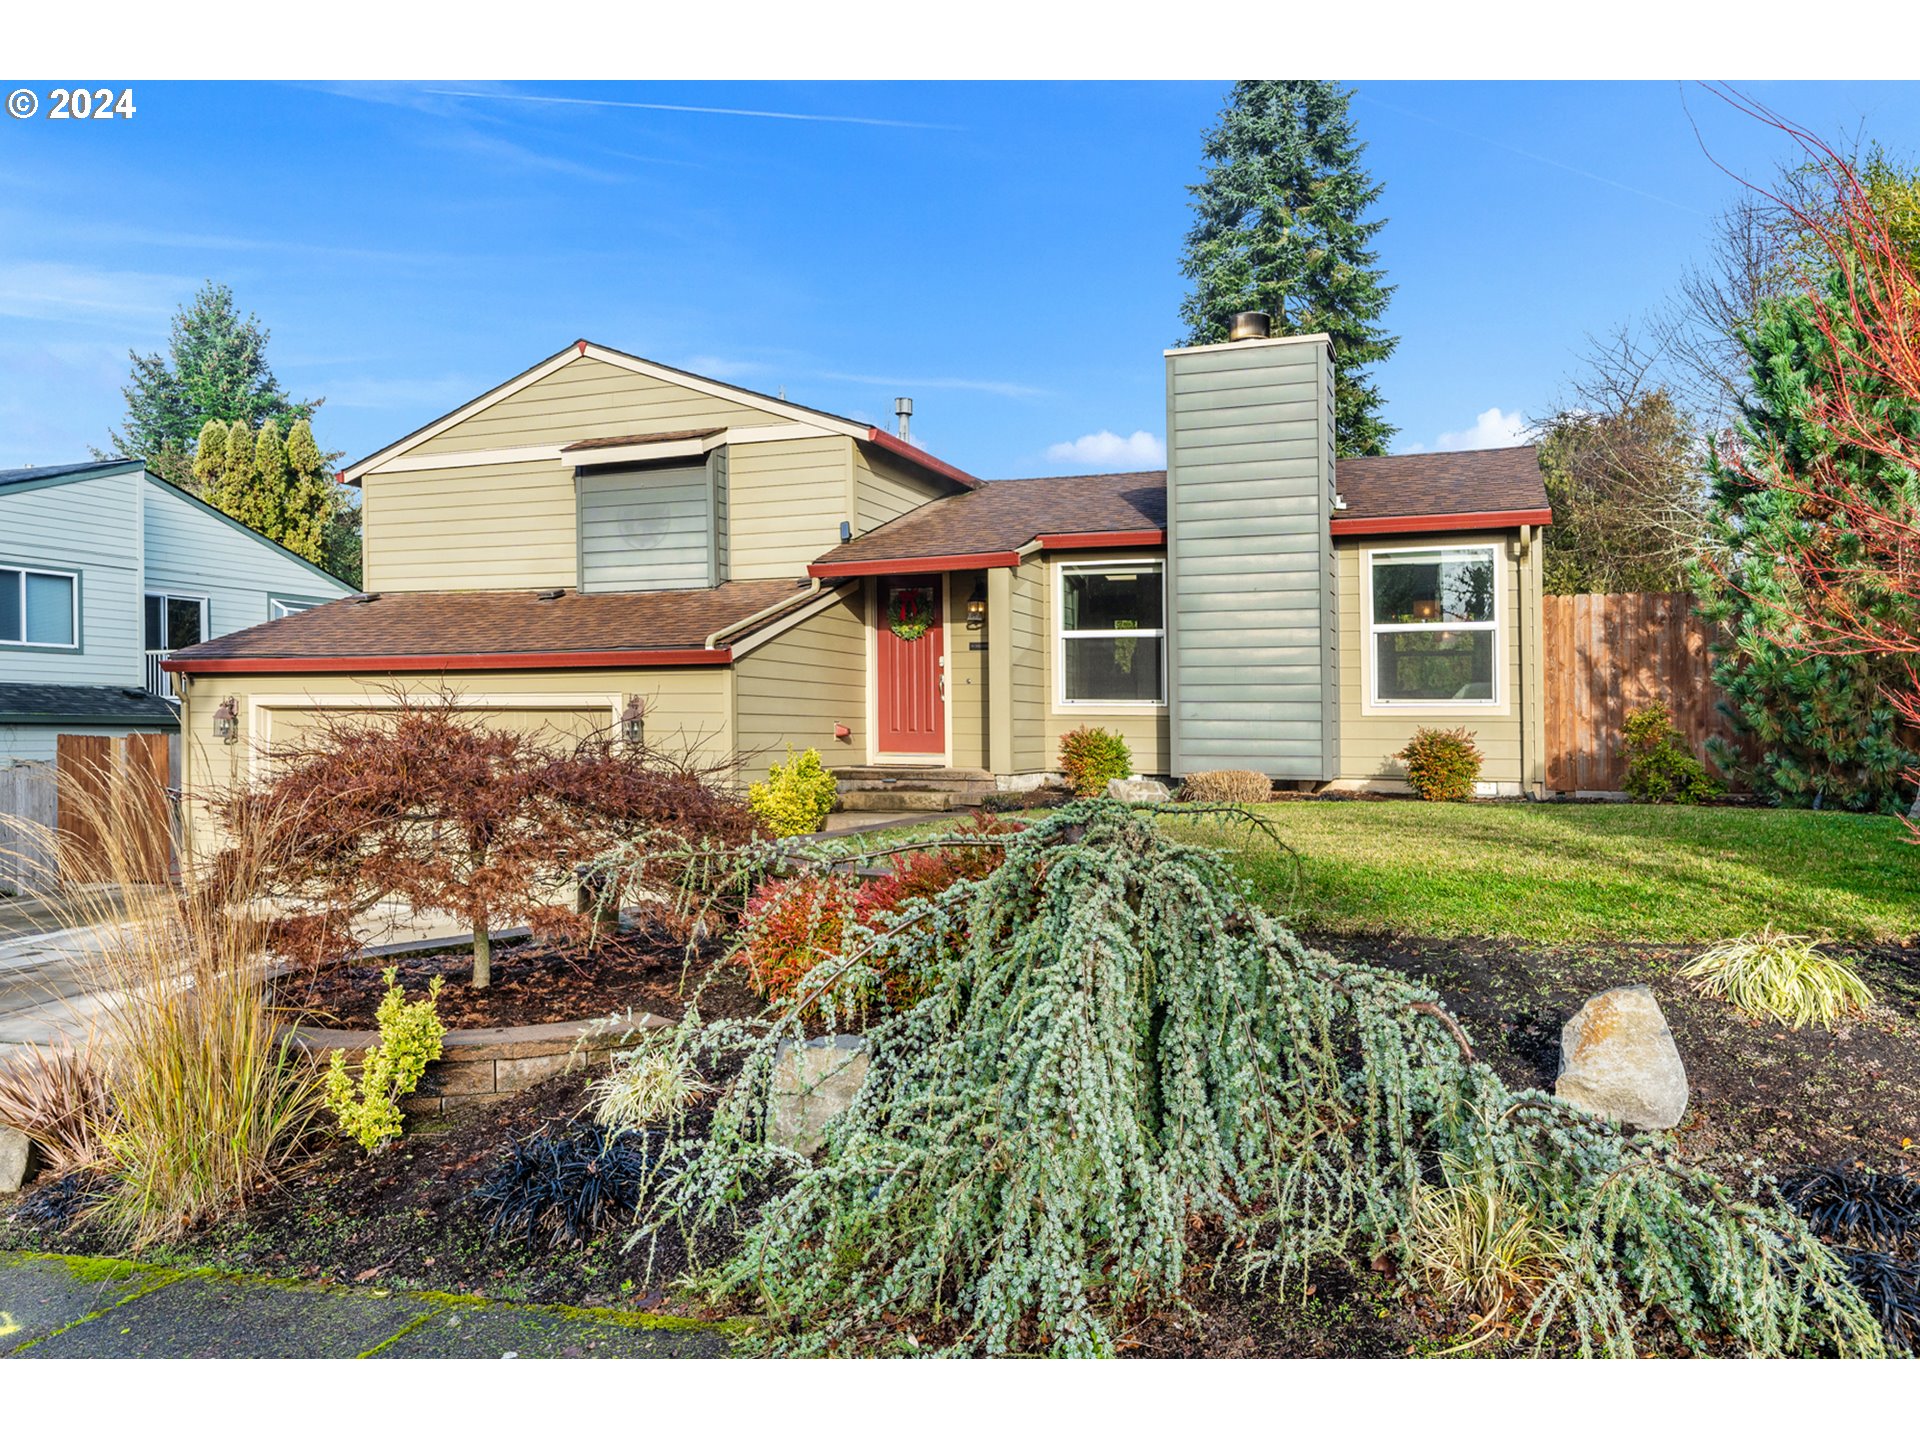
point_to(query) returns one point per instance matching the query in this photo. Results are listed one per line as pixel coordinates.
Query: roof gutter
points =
(888, 441)
(1430, 524)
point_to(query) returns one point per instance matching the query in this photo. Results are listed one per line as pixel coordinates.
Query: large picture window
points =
(1113, 634)
(39, 607)
(1435, 626)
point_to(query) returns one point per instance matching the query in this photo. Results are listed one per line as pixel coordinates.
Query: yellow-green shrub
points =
(796, 796)
(1089, 758)
(410, 1036)
(1788, 978)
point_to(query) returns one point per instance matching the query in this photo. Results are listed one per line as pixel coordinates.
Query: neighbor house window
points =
(1434, 626)
(175, 621)
(1112, 634)
(39, 607)
(278, 609)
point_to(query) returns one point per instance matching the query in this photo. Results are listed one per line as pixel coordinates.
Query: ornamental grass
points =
(1770, 976)
(1117, 1050)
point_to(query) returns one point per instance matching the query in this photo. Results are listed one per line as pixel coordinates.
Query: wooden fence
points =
(1608, 655)
(28, 810)
(53, 812)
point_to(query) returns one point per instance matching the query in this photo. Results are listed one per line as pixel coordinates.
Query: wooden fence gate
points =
(1608, 655)
(122, 782)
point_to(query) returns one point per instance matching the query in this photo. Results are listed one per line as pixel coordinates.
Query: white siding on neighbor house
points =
(190, 552)
(22, 744)
(90, 528)
(646, 529)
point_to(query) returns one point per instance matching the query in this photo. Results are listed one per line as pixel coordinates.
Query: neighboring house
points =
(104, 570)
(605, 537)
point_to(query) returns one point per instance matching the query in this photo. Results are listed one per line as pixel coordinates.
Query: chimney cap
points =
(1250, 325)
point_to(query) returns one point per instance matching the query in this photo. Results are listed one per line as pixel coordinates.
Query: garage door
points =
(549, 723)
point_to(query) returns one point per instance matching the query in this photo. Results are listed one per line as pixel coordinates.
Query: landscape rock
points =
(16, 1153)
(1138, 791)
(1618, 1061)
(813, 1083)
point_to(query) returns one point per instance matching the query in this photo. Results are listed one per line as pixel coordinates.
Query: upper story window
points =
(1112, 633)
(175, 621)
(39, 607)
(278, 609)
(1434, 625)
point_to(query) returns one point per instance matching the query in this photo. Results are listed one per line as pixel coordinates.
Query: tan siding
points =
(1145, 731)
(483, 527)
(1034, 743)
(884, 491)
(967, 675)
(794, 688)
(785, 502)
(1368, 742)
(688, 711)
(589, 399)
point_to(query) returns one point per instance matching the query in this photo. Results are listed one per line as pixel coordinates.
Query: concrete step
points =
(899, 800)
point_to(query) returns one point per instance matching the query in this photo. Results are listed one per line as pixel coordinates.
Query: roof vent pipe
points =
(1250, 325)
(903, 408)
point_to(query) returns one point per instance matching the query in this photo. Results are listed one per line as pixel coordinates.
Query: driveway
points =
(45, 989)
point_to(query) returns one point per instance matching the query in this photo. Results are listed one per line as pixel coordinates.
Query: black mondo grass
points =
(1854, 1205)
(565, 1188)
(1891, 1288)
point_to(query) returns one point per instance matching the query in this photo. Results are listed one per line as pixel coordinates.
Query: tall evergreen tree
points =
(1822, 728)
(215, 368)
(1280, 225)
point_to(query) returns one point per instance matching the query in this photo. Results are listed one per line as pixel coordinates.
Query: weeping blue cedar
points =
(1118, 1042)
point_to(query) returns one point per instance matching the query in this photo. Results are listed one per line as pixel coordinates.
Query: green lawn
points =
(1580, 872)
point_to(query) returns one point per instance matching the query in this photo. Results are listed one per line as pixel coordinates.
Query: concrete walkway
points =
(46, 984)
(54, 1306)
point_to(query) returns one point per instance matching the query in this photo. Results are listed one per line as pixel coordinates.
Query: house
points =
(105, 569)
(603, 540)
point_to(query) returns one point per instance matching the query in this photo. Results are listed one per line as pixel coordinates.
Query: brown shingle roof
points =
(1452, 482)
(1003, 515)
(423, 625)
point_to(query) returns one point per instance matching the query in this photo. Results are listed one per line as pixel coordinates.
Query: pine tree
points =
(1821, 728)
(215, 368)
(1279, 226)
(311, 497)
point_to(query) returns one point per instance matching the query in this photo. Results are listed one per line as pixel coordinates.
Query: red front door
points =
(911, 714)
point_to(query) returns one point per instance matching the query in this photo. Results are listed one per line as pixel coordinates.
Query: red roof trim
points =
(888, 441)
(917, 564)
(1100, 539)
(518, 660)
(1467, 520)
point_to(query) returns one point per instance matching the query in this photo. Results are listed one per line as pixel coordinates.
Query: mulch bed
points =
(534, 983)
(405, 1216)
(1786, 1097)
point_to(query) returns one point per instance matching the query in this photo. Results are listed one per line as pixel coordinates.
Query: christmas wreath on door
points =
(911, 613)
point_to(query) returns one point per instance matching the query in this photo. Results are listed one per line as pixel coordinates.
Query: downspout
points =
(713, 641)
(1529, 663)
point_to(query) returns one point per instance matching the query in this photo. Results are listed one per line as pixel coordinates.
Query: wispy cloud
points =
(1104, 449)
(56, 291)
(720, 367)
(1492, 429)
(1532, 155)
(366, 392)
(689, 109)
(1007, 388)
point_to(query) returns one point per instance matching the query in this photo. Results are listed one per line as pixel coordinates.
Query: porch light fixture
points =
(226, 720)
(1426, 610)
(633, 721)
(977, 606)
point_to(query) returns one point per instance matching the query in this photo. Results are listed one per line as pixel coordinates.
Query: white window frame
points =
(206, 614)
(72, 577)
(279, 609)
(1062, 635)
(1497, 701)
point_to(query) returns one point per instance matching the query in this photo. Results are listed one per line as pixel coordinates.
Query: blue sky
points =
(1005, 253)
